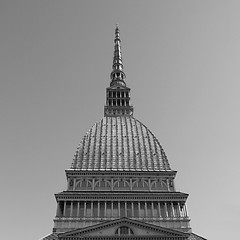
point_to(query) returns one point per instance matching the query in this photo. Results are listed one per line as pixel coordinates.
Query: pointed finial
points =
(117, 33)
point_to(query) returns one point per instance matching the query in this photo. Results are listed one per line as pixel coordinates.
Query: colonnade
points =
(119, 94)
(118, 209)
(118, 102)
(118, 98)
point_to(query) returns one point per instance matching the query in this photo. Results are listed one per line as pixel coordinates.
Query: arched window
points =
(124, 230)
(140, 184)
(164, 185)
(84, 185)
(103, 185)
(143, 184)
(121, 184)
(159, 185)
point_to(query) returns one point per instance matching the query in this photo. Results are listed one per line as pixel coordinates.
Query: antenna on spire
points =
(117, 34)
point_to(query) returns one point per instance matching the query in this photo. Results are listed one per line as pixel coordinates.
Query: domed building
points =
(120, 183)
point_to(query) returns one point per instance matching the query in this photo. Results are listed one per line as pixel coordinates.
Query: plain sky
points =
(182, 61)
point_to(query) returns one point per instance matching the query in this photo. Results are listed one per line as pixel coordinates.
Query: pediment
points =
(109, 229)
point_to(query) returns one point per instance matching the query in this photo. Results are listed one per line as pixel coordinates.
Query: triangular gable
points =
(109, 228)
(194, 236)
(52, 236)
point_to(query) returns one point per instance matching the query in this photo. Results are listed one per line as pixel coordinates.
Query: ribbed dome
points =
(120, 144)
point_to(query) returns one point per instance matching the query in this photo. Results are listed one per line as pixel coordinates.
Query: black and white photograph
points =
(120, 119)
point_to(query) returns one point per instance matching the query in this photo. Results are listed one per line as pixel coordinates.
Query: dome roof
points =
(120, 144)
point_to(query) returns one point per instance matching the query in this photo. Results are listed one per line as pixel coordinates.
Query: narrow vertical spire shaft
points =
(118, 94)
(117, 74)
(117, 58)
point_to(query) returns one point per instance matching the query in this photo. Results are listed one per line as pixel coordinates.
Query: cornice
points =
(77, 172)
(113, 196)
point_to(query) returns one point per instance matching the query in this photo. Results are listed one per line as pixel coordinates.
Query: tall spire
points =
(117, 74)
(118, 94)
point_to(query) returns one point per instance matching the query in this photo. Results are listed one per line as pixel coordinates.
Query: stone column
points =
(185, 210)
(168, 187)
(179, 209)
(84, 209)
(132, 209)
(153, 211)
(57, 211)
(78, 207)
(64, 208)
(166, 209)
(98, 209)
(125, 205)
(159, 209)
(112, 209)
(71, 209)
(119, 210)
(91, 208)
(146, 211)
(173, 212)
(139, 209)
(105, 209)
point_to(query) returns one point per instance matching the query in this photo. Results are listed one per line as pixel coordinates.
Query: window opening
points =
(124, 230)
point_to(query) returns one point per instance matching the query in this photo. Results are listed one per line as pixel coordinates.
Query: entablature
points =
(176, 196)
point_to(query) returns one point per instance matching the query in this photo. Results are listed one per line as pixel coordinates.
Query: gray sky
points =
(182, 62)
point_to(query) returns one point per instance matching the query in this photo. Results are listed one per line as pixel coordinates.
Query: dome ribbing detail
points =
(120, 144)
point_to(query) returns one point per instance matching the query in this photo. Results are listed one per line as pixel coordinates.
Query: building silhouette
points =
(120, 184)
